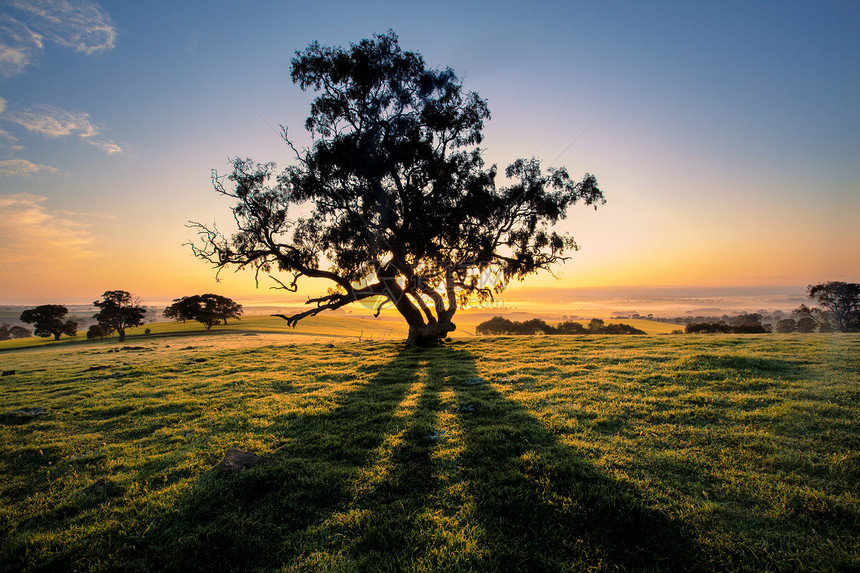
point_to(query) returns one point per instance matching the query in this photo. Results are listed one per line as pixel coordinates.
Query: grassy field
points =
(727, 452)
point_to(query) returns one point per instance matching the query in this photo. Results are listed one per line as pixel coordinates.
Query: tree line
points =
(499, 325)
(838, 310)
(118, 311)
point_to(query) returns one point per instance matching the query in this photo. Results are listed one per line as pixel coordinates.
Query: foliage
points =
(8, 332)
(403, 210)
(95, 332)
(806, 324)
(741, 324)
(597, 454)
(717, 327)
(786, 325)
(119, 311)
(499, 325)
(207, 309)
(47, 320)
(839, 306)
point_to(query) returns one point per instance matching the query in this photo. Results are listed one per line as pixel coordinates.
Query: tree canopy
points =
(119, 310)
(208, 309)
(47, 320)
(393, 203)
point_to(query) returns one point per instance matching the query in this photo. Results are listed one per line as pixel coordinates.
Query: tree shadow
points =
(261, 518)
(360, 487)
(542, 506)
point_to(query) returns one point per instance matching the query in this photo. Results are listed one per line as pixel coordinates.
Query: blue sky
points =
(726, 136)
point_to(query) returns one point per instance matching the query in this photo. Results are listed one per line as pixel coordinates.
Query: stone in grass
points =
(475, 381)
(236, 460)
(28, 412)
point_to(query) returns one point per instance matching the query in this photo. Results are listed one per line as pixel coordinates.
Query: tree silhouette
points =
(839, 305)
(119, 310)
(208, 309)
(47, 320)
(403, 211)
(786, 325)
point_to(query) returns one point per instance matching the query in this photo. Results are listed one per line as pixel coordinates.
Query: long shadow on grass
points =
(542, 507)
(356, 488)
(265, 517)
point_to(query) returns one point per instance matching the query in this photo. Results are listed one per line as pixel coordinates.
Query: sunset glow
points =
(727, 147)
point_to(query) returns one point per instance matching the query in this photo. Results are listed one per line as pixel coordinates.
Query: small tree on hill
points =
(119, 310)
(208, 309)
(403, 210)
(839, 306)
(47, 320)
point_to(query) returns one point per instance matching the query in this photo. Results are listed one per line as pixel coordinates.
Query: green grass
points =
(725, 452)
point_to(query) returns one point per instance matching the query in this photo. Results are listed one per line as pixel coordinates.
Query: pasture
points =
(562, 453)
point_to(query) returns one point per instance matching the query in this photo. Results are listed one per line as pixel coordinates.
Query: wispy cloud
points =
(22, 167)
(53, 122)
(33, 235)
(27, 25)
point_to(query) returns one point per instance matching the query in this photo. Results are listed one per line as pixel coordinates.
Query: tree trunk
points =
(121, 334)
(57, 335)
(421, 334)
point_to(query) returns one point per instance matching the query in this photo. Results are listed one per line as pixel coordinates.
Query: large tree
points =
(392, 201)
(839, 305)
(47, 320)
(119, 310)
(207, 309)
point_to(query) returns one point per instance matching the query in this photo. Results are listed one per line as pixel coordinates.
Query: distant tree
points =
(119, 310)
(839, 305)
(47, 320)
(401, 209)
(20, 332)
(786, 325)
(497, 325)
(4, 332)
(621, 328)
(208, 309)
(596, 325)
(570, 327)
(95, 332)
(751, 319)
(718, 327)
(806, 324)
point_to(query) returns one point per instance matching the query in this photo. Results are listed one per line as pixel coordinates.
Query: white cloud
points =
(53, 122)
(32, 235)
(26, 25)
(22, 167)
(108, 147)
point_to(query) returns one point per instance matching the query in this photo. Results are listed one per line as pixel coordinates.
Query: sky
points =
(725, 135)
